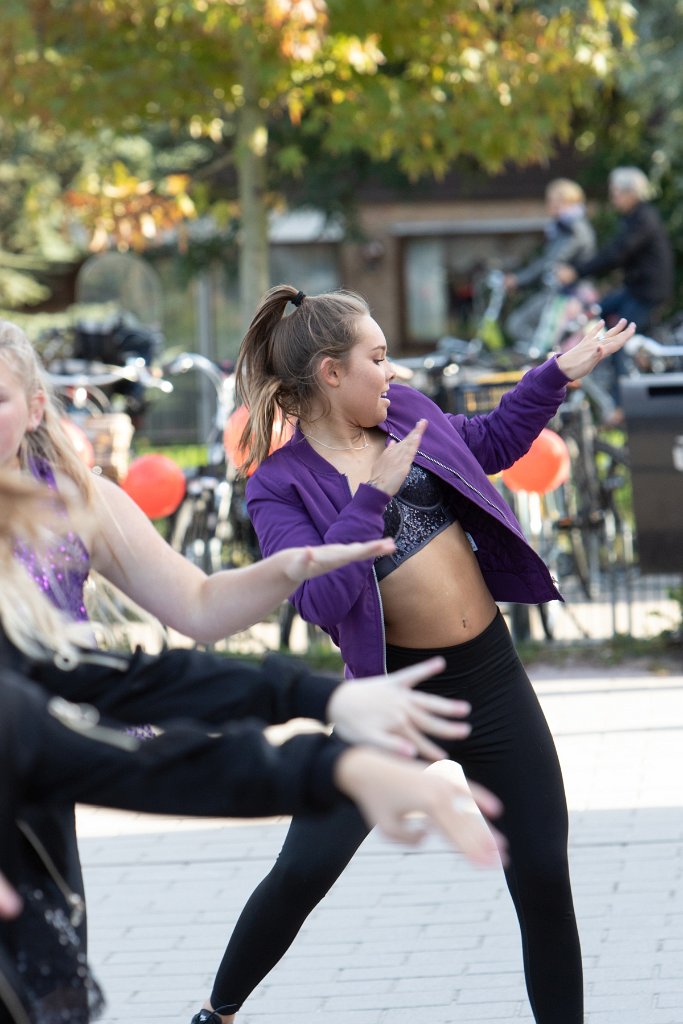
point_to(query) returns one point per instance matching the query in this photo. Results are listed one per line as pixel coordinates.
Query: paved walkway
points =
(419, 936)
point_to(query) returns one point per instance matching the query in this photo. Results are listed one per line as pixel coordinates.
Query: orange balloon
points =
(155, 483)
(232, 433)
(80, 441)
(544, 467)
(236, 423)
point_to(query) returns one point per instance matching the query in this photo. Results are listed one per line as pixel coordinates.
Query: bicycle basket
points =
(475, 397)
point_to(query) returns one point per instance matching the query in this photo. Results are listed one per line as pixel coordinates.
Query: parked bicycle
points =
(592, 506)
(211, 526)
(88, 393)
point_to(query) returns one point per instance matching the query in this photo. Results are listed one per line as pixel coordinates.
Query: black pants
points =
(510, 750)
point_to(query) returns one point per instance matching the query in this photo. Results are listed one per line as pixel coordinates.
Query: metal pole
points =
(207, 347)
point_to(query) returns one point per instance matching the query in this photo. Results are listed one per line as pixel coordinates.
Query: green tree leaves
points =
(418, 82)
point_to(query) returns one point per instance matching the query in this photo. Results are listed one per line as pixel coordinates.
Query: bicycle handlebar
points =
(640, 342)
(133, 372)
(186, 361)
(224, 386)
(224, 383)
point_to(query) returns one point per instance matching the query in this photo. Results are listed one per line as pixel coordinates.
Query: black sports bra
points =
(414, 516)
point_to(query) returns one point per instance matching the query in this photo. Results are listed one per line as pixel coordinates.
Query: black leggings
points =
(510, 750)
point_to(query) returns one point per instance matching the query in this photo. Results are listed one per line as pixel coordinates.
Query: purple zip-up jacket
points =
(297, 498)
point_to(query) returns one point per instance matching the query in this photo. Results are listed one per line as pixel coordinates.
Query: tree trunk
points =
(252, 147)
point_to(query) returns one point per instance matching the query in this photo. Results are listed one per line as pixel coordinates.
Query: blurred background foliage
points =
(175, 128)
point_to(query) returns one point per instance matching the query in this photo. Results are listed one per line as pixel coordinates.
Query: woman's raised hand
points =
(597, 344)
(392, 466)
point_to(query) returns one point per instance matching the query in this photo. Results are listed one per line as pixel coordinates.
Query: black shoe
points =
(206, 1017)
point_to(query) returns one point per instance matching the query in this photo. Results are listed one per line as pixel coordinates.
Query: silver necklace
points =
(346, 448)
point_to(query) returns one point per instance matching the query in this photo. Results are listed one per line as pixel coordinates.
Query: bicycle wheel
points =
(191, 533)
(239, 544)
(580, 521)
(613, 470)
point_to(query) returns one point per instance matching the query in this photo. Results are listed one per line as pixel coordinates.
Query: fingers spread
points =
(486, 801)
(394, 744)
(434, 725)
(416, 673)
(441, 705)
(425, 747)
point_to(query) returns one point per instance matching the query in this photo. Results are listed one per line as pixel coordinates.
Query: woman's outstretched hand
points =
(393, 464)
(385, 712)
(301, 564)
(597, 344)
(390, 792)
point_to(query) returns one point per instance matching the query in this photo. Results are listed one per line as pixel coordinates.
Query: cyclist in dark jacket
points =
(641, 248)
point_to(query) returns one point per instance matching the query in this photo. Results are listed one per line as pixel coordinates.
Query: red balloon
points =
(544, 467)
(156, 484)
(236, 423)
(80, 441)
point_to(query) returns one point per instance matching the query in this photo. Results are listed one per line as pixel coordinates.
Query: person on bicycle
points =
(640, 248)
(569, 236)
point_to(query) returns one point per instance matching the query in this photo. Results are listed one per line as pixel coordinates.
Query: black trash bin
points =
(653, 405)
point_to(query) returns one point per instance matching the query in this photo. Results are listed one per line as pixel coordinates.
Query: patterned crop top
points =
(413, 517)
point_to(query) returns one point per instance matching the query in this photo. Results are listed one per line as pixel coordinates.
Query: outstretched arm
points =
(233, 772)
(382, 711)
(127, 550)
(500, 437)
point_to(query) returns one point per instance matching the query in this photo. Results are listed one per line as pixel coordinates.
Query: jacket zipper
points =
(381, 618)
(379, 597)
(74, 902)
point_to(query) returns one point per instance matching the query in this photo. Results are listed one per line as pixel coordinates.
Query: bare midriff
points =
(437, 597)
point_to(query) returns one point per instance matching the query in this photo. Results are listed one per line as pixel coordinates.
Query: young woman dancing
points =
(116, 538)
(371, 458)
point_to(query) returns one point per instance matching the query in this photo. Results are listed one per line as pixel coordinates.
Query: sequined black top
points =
(414, 516)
